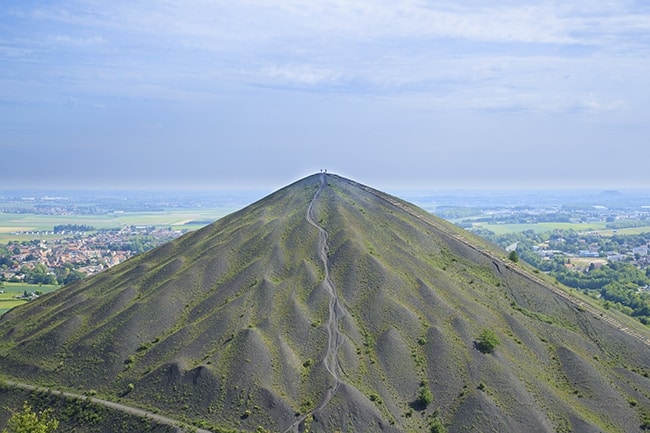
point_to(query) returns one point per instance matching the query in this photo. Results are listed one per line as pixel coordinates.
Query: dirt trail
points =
(336, 312)
(178, 426)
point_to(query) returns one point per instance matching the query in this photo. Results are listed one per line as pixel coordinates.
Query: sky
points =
(214, 94)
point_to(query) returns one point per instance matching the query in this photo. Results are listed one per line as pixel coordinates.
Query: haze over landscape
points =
(435, 94)
(327, 306)
(319, 216)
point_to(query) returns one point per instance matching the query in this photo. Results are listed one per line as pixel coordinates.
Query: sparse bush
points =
(645, 423)
(487, 341)
(424, 397)
(436, 426)
(29, 421)
(306, 404)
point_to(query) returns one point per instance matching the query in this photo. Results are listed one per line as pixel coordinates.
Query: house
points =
(616, 257)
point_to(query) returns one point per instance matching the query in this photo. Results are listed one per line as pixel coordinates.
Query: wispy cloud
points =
(300, 74)
(438, 79)
(78, 41)
(466, 54)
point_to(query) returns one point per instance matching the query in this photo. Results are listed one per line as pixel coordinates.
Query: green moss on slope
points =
(230, 325)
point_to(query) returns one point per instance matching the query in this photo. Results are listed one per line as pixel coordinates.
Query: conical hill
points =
(333, 306)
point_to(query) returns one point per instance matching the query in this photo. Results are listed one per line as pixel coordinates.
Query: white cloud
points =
(13, 52)
(78, 41)
(469, 54)
(305, 74)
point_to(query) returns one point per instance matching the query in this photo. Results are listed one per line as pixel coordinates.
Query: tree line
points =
(622, 285)
(61, 228)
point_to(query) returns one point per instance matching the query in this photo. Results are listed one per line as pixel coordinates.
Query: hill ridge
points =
(333, 302)
(604, 315)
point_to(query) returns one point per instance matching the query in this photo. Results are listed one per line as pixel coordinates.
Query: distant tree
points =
(74, 276)
(73, 228)
(513, 256)
(487, 341)
(29, 421)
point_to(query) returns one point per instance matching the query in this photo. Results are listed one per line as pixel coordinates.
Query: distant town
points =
(58, 237)
(78, 254)
(596, 242)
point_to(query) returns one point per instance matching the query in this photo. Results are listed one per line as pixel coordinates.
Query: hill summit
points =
(330, 306)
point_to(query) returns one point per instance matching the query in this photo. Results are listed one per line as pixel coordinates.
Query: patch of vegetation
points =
(375, 398)
(436, 425)
(487, 341)
(29, 421)
(424, 396)
(306, 405)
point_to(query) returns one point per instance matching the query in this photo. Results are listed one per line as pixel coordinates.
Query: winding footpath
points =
(335, 313)
(330, 360)
(599, 314)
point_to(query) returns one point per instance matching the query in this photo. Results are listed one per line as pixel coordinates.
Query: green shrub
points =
(436, 426)
(424, 397)
(487, 341)
(29, 421)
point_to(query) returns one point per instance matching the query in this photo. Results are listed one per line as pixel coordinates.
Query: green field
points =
(18, 227)
(628, 231)
(500, 229)
(11, 290)
(190, 219)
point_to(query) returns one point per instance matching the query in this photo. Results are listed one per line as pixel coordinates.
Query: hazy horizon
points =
(257, 94)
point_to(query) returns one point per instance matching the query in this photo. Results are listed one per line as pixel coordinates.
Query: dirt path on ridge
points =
(178, 426)
(336, 312)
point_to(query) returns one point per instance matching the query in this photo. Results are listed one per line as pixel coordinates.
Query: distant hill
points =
(611, 193)
(331, 305)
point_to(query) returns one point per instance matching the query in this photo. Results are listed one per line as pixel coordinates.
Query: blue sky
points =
(395, 94)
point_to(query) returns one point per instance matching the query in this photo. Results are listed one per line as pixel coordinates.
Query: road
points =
(335, 313)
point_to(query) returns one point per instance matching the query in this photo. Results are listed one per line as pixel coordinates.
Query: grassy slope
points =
(227, 325)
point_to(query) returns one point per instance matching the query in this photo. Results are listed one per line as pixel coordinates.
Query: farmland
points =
(118, 225)
(542, 227)
(10, 291)
(21, 227)
(47, 239)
